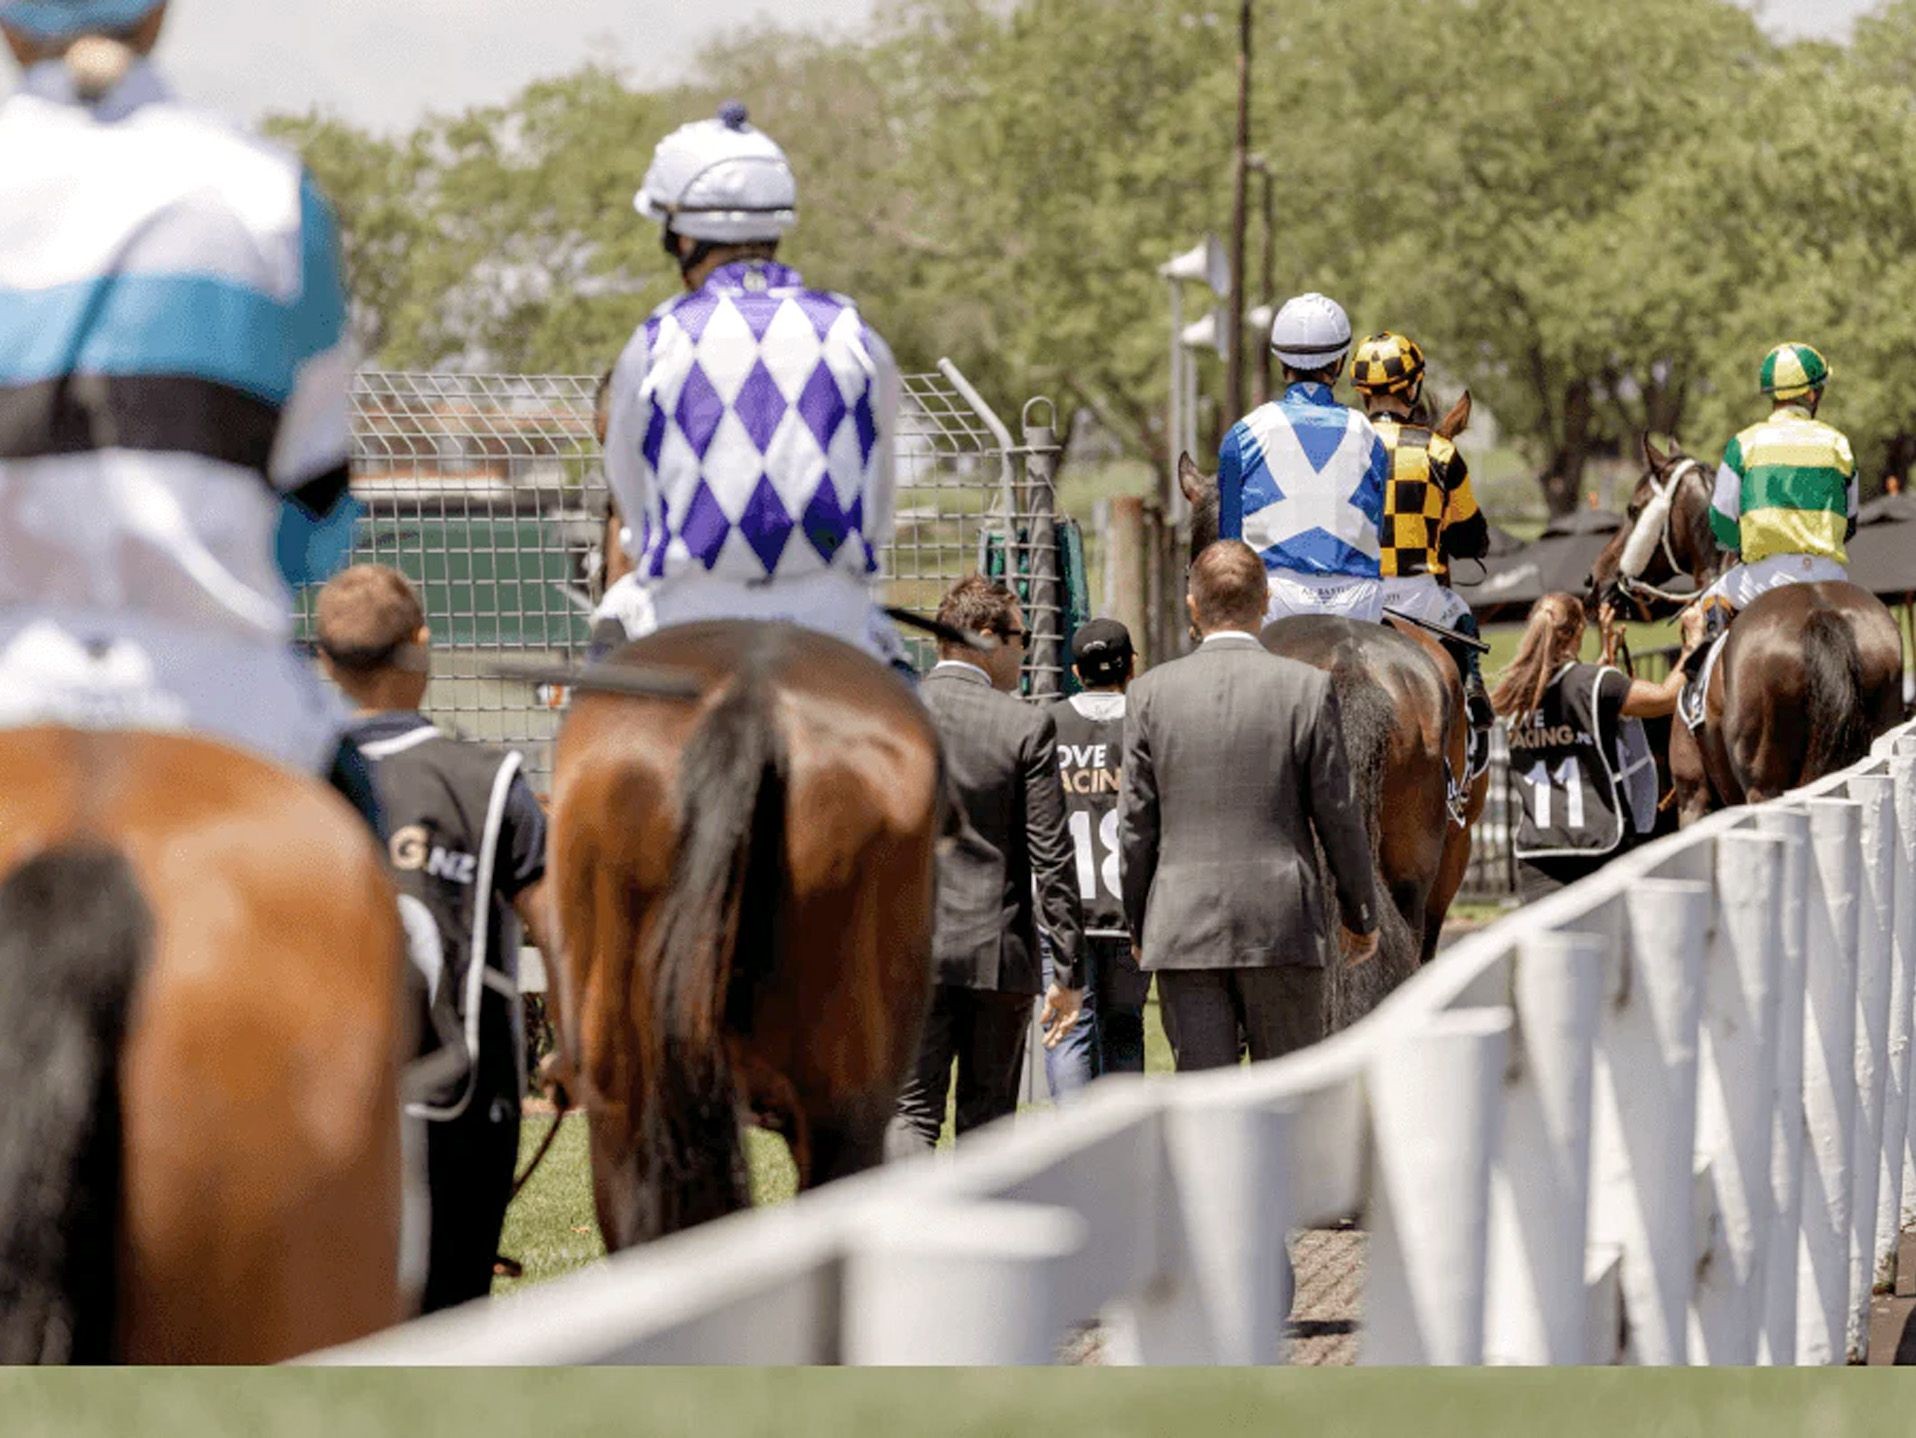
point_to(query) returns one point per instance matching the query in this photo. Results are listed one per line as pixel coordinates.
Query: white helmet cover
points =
(1311, 332)
(720, 181)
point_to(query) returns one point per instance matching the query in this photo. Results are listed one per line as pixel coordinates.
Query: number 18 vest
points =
(1090, 760)
(1584, 775)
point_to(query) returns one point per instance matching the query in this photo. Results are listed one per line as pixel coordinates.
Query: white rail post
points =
(1791, 823)
(1227, 1217)
(1736, 1098)
(1896, 1208)
(1540, 1183)
(1829, 1079)
(1875, 925)
(970, 1284)
(1435, 1099)
(1899, 1170)
(1643, 1186)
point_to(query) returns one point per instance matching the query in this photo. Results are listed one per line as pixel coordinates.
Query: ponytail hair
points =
(1552, 635)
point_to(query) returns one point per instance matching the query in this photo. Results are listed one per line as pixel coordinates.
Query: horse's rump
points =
(254, 1202)
(743, 885)
(1396, 729)
(1811, 674)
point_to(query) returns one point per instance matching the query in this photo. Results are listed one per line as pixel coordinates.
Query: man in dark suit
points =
(1009, 871)
(1232, 758)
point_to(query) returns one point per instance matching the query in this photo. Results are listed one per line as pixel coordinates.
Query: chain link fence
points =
(487, 491)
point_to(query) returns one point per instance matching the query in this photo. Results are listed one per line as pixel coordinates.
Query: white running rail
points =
(1661, 1117)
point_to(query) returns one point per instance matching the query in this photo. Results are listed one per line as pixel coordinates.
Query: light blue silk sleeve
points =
(313, 548)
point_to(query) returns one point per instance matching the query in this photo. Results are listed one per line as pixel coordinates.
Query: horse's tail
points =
(1370, 719)
(1838, 715)
(714, 939)
(74, 934)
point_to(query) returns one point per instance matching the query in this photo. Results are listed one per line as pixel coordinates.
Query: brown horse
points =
(744, 894)
(200, 988)
(1810, 675)
(1405, 732)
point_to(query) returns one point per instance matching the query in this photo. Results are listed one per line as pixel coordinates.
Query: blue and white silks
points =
(1301, 480)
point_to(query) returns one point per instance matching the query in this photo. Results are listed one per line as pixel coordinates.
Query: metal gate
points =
(488, 493)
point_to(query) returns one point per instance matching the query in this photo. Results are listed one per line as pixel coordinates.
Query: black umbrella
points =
(1560, 560)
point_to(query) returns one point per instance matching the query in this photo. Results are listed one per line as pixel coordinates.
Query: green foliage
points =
(1598, 217)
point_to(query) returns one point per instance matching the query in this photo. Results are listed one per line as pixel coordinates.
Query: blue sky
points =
(385, 62)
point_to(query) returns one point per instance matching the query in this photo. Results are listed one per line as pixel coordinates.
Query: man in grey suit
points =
(1010, 870)
(1232, 758)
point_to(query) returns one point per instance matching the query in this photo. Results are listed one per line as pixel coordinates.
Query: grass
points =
(551, 1228)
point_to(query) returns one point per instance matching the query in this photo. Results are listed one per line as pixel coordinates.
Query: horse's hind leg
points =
(847, 1140)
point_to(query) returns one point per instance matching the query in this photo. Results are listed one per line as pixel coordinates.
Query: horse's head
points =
(1666, 535)
(1200, 489)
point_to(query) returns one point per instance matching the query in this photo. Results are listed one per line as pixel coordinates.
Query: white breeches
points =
(1294, 594)
(1422, 597)
(1743, 584)
(832, 603)
(120, 672)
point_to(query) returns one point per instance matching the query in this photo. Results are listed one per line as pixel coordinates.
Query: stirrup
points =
(1457, 796)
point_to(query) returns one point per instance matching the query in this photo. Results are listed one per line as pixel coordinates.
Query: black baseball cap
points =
(1102, 649)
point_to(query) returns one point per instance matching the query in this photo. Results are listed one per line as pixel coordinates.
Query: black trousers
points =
(1212, 1015)
(469, 1163)
(981, 1031)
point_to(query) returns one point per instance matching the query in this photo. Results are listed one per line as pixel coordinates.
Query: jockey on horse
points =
(1785, 500)
(201, 1027)
(1301, 479)
(749, 446)
(174, 422)
(1430, 514)
(744, 882)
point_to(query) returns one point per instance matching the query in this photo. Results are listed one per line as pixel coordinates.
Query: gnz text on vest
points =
(413, 849)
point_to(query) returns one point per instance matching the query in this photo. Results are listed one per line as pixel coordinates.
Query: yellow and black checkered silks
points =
(1428, 493)
(1388, 363)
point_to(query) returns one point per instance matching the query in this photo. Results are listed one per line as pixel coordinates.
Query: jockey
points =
(1786, 494)
(1301, 480)
(750, 443)
(174, 424)
(1430, 514)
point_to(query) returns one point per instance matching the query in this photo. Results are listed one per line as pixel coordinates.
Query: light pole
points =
(1240, 174)
(1206, 262)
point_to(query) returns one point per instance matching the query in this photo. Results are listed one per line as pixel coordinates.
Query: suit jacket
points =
(1001, 756)
(1232, 757)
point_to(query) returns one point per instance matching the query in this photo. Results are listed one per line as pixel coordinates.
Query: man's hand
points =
(1061, 1009)
(1359, 949)
(1691, 623)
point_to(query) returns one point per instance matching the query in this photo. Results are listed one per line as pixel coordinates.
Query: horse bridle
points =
(1634, 588)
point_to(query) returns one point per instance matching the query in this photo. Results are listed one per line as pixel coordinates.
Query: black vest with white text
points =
(445, 803)
(1090, 762)
(1582, 789)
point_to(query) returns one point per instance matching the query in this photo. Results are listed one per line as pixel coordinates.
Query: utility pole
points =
(1261, 380)
(1240, 178)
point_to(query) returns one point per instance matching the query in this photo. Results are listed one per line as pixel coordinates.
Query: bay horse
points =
(744, 889)
(1810, 675)
(1405, 734)
(201, 1035)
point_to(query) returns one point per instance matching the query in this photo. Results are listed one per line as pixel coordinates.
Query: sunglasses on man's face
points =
(1013, 636)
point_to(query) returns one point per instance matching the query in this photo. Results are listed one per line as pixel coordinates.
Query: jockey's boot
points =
(352, 777)
(1482, 719)
(1714, 614)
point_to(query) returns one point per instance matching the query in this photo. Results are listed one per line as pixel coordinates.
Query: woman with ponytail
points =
(1579, 759)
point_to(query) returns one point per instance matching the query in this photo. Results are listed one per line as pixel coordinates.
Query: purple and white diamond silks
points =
(763, 411)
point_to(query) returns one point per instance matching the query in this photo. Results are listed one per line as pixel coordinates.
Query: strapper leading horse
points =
(201, 1033)
(744, 893)
(1405, 732)
(1810, 674)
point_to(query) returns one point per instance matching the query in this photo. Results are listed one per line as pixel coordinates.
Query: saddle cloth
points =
(1691, 701)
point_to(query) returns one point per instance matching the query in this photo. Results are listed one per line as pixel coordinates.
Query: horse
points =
(744, 896)
(1405, 732)
(1810, 673)
(202, 1027)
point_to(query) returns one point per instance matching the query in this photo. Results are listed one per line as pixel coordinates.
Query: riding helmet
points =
(1791, 371)
(1311, 333)
(1389, 363)
(63, 19)
(720, 181)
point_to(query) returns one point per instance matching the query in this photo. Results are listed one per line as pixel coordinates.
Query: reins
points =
(1635, 589)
